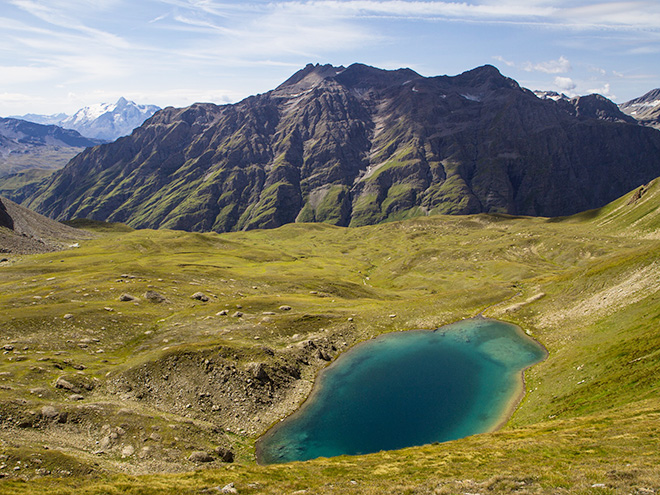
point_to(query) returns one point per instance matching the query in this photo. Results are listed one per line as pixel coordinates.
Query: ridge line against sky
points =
(60, 55)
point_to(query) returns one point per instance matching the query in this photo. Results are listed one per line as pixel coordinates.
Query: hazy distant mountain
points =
(26, 145)
(54, 119)
(645, 109)
(106, 121)
(356, 146)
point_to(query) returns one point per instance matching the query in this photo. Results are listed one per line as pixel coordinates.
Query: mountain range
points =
(360, 145)
(26, 145)
(106, 121)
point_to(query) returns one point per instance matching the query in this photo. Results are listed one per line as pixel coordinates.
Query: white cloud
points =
(580, 14)
(508, 63)
(559, 66)
(55, 14)
(565, 83)
(603, 90)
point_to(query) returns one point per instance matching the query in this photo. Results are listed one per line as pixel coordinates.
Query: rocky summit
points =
(356, 146)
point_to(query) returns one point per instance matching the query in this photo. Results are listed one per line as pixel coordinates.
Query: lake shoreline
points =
(508, 407)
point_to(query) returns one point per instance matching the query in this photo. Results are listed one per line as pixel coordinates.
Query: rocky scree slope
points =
(23, 231)
(356, 146)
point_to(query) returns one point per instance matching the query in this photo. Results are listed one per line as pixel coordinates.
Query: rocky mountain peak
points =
(650, 99)
(356, 77)
(596, 106)
(486, 77)
(645, 109)
(307, 78)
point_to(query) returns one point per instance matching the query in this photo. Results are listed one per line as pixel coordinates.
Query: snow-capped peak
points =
(109, 120)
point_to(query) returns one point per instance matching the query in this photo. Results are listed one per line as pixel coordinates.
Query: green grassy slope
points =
(587, 287)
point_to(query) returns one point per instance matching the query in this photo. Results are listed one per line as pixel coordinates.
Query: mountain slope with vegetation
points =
(359, 146)
(145, 352)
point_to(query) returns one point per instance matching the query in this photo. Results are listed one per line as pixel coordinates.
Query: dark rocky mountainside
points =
(359, 145)
(26, 145)
(645, 109)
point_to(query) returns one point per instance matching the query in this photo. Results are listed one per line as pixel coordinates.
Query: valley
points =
(136, 361)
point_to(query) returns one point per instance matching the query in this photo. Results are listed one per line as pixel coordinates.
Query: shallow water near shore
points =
(408, 388)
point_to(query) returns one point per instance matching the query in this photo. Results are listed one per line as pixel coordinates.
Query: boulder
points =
(258, 371)
(200, 456)
(49, 412)
(225, 454)
(127, 451)
(155, 297)
(200, 296)
(127, 298)
(228, 489)
(66, 385)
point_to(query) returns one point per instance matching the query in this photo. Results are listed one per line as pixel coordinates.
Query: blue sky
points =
(60, 55)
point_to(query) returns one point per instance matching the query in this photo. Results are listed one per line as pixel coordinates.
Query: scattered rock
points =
(238, 314)
(285, 308)
(200, 456)
(200, 296)
(105, 443)
(127, 298)
(145, 452)
(392, 316)
(228, 489)
(76, 397)
(8, 347)
(68, 316)
(322, 355)
(224, 312)
(127, 451)
(67, 385)
(269, 313)
(49, 412)
(258, 371)
(155, 297)
(224, 454)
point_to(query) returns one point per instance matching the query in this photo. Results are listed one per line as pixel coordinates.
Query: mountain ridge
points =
(360, 145)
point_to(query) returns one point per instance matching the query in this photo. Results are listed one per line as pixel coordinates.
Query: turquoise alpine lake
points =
(408, 388)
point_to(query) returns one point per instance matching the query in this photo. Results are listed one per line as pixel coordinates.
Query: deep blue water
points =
(405, 389)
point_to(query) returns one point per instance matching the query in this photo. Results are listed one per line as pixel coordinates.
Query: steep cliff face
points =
(356, 146)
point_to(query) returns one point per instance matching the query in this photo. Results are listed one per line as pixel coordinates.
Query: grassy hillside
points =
(99, 395)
